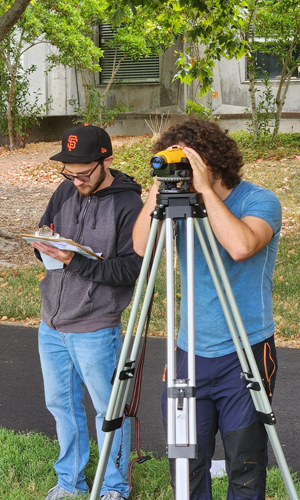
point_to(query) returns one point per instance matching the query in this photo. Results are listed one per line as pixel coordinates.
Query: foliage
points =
(143, 32)
(23, 113)
(68, 27)
(234, 29)
(214, 33)
(271, 27)
(96, 112)
(135, 160)
(200, 110)
(266, 105)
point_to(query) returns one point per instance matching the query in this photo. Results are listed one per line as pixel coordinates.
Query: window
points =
(269, 63)
(143, 71)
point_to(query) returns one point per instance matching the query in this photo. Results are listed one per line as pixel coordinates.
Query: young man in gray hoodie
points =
(83, 299)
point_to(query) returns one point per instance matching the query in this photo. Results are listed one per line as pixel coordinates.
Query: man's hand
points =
(241, 238)
(64, 256)
(201, 174)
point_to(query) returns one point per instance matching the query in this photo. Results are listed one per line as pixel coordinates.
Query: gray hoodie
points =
(87, 295)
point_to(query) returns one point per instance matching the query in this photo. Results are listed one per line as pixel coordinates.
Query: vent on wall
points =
(145, 70)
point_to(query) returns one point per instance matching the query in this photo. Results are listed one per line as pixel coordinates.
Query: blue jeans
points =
(70, 362)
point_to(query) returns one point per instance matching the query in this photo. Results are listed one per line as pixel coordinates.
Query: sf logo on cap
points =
(72, 141)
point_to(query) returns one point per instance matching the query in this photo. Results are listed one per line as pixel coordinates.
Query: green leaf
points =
(117, 17)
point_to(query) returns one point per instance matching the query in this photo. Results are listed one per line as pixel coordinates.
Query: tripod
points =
(175, 204)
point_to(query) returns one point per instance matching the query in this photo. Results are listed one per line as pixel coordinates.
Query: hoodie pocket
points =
(74, 298)
(49, 288)
(81, 297)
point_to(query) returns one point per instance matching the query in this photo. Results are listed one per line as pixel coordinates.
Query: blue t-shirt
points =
(251, 280)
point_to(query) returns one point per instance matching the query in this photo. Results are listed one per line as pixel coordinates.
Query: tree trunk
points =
(114, 72)
(279, 105)
(284, 84)
(11, 17)
(12, 139)
(280, 100)
(252, 91)
(84, 84)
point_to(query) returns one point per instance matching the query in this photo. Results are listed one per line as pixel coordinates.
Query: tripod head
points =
(169, 185)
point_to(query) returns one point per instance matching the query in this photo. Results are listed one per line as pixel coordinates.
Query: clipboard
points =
(63, 244)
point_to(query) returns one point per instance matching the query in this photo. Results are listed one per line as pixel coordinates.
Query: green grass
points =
(285, 145)
(26, 471)
(286, 287)
(26, 465)
(19, 292)
(135, 160)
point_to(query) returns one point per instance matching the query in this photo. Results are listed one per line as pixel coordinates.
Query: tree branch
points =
(33, 45)
(11, 17)
(7, 62)
(115, 71)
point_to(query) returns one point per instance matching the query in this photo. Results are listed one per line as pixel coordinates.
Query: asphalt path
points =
(22, 405)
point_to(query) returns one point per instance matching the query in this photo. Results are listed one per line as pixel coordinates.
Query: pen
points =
(52, 226)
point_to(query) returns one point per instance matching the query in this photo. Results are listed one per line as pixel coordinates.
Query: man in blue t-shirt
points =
(246, 221)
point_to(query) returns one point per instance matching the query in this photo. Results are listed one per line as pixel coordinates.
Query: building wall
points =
(170, 96)
(234, 98)
(64, 84)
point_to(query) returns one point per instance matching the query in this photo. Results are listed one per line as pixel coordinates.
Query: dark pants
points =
(224, 403)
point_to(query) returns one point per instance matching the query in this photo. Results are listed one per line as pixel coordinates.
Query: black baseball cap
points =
(84, 144)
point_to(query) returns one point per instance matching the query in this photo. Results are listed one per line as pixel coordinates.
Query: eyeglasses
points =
(81, 178)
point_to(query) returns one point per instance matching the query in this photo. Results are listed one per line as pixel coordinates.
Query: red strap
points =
(131, 409)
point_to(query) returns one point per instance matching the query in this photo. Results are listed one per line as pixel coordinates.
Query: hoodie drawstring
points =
(95, 214)
(79, 207)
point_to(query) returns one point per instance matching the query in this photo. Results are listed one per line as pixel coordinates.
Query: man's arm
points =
(142, 225)
(124, 268)
(121, 270)
(242, 238)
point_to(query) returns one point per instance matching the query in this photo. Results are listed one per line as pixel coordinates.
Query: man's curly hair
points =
(217, 150)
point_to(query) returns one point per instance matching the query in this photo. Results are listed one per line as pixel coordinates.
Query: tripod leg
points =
(121, 386)
(257, 391)
(182, 433)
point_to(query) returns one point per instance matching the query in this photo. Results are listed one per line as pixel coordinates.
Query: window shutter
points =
(145, 70)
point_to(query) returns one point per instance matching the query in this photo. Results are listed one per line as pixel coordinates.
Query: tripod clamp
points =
(125, 374)
(178, 205)
(180, 393)
(265, 418)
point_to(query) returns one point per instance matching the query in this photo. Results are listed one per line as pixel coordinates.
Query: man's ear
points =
(107, 161)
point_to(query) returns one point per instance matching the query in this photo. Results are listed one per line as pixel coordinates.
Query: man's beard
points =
(88, 189)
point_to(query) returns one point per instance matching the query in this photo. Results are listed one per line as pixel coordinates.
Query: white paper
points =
(51, 263)
(218, 468)
(65, 246)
